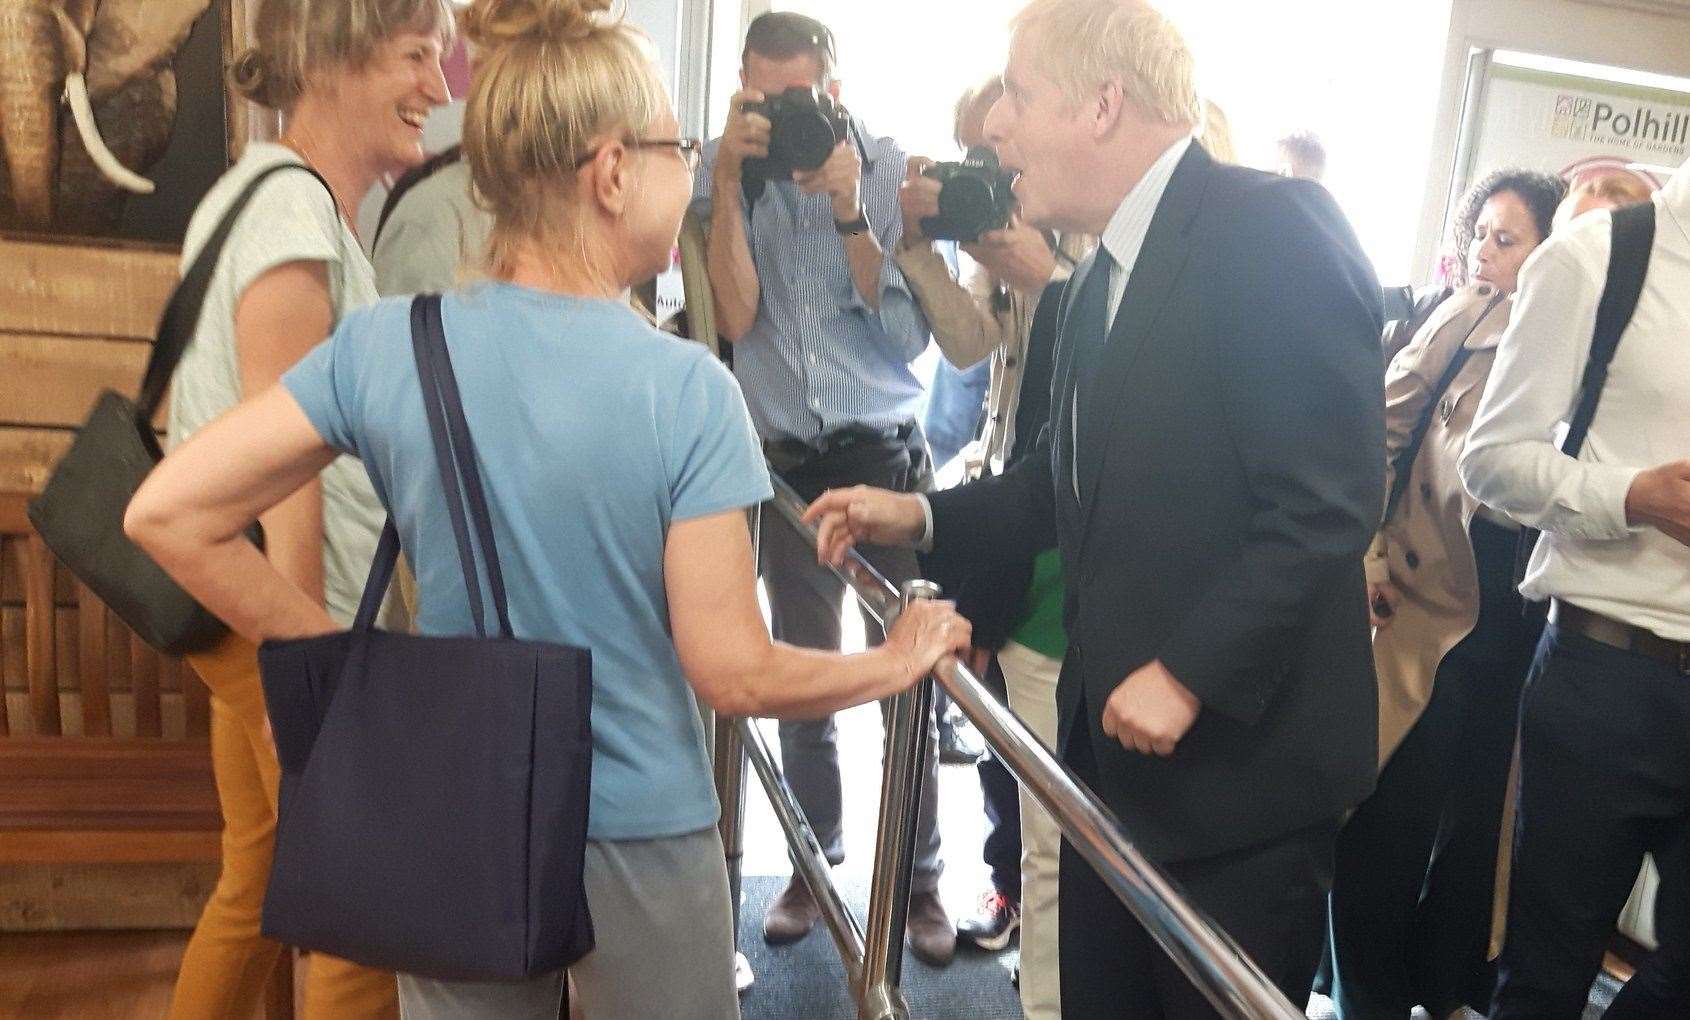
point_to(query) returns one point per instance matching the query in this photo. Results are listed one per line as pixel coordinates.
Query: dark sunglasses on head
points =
(781, 31)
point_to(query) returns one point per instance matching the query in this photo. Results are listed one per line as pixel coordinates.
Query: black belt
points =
(1624, 636)
(797, 451)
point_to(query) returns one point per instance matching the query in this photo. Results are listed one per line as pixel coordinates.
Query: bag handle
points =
(381, 575)
(180, 318)
(410, 179)
(454, 450)
(1628, 265)
(1403, 464)
(463, 447)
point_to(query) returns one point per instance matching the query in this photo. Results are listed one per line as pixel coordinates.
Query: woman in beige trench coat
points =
(1415, 865)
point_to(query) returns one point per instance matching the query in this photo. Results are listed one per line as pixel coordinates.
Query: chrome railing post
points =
(730, 793)
(904, 761)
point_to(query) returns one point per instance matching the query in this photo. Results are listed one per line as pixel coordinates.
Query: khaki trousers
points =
(1031, 681)
(227, 962)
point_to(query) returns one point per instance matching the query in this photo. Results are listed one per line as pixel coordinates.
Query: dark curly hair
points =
(1540, 192)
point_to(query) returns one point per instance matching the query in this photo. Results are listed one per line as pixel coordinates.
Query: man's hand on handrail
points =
(844, 517)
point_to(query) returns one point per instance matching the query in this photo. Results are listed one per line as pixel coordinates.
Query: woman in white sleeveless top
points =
(353, 80)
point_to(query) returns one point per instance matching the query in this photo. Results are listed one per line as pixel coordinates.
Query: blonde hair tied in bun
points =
(552, 79)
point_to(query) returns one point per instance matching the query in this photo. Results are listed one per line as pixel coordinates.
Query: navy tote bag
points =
(433, 810)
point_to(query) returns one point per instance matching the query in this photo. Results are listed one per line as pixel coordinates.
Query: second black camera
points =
(975, 197)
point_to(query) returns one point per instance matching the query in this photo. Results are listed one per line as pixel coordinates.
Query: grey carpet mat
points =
(805, 981)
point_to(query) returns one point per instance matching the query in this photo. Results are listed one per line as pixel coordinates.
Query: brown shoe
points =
(929, 931)
(791, 916)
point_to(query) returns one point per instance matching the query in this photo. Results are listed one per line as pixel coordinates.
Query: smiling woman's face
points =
(389, 98)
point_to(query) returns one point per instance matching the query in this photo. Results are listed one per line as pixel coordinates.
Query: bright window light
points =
(1362, 74)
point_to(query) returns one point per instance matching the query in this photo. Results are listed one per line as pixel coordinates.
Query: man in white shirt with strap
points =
(1605, 721)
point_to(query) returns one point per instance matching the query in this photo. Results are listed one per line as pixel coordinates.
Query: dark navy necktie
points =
(1086, 335)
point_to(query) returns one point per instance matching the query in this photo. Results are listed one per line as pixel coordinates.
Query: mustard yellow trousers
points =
(227, 962)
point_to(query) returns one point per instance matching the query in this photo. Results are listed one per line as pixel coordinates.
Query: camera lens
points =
(967, 199)
(806, 140)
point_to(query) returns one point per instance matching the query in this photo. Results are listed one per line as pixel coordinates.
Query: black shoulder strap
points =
(454, 451)
(1634, 239)
(181, 314)
(410, 179)
(1628, 267)
(1402, 466)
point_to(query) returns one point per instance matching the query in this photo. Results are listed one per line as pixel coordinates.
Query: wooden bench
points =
(108, 810)
(103, 742)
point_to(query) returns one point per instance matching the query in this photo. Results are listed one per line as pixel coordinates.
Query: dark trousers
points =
(1270, 898)
(1415, 870)
(804, 606)
(1604, 778)
(1002, 797)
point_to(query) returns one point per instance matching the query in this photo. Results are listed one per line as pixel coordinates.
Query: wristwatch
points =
(856, 226)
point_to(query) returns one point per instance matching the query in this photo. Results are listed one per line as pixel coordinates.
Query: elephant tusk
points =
(76, 93)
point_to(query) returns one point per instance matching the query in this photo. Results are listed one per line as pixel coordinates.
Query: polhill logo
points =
(1633, 125)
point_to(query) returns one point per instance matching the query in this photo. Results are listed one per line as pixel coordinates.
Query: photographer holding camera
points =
(989, 313)
(803, 209)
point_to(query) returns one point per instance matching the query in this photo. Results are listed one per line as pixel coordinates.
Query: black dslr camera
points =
(975, 197)
(805, 127)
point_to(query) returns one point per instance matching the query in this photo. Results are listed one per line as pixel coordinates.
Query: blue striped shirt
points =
(818, 359)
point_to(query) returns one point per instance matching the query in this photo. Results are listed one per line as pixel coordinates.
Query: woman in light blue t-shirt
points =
(618, 462)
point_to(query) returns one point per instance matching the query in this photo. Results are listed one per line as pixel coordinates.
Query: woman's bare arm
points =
(281, 316)
(192, 513)
(726, 651)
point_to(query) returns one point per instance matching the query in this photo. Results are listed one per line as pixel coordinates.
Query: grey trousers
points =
(804, 606)
(664, 944)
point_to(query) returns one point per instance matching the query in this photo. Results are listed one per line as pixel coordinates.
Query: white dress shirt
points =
(1123, 237)
(1589, 556)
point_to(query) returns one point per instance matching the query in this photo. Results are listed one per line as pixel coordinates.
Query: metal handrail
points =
(1213, 962)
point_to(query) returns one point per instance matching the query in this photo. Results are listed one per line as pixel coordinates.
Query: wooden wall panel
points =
(27, 456)
(74, 319)
(52, 381)
(83, 290)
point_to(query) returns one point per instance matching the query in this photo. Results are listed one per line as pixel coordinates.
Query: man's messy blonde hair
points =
(1083, 44)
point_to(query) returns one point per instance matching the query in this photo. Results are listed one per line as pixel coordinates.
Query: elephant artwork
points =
(87, 104)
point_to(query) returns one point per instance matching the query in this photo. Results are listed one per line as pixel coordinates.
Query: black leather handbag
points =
(80, 512)
(435, 790)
